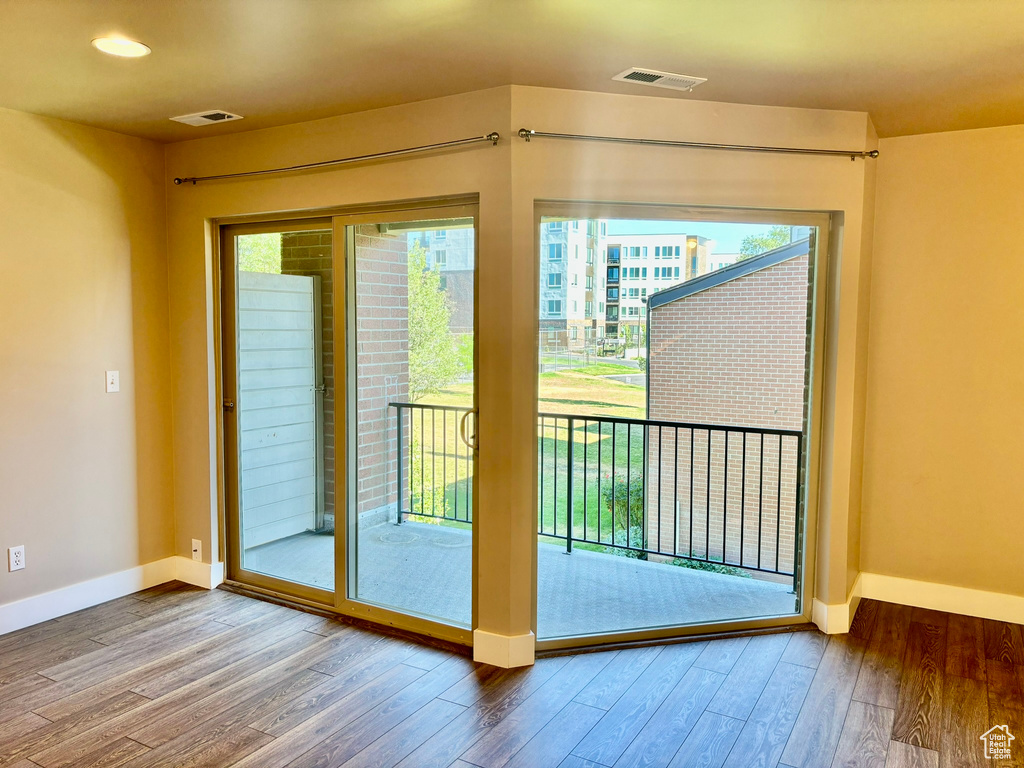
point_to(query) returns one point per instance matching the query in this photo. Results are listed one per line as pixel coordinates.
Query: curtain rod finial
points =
(493, 137)
(525, 133)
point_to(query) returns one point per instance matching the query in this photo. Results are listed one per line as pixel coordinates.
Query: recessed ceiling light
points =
(121, 46)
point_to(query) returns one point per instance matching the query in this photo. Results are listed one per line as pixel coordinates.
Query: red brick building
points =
(729, 348)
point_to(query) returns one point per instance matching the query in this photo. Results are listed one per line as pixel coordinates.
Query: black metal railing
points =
(712, 493)
(434, 467)
(720, 494)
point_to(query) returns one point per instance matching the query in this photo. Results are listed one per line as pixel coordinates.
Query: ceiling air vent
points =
(660, 79)
(208, 117)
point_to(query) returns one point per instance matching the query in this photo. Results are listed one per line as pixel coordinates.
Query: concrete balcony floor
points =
(426, 570)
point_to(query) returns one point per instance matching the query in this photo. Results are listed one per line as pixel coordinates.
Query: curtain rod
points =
(492, 137)
(527, 134)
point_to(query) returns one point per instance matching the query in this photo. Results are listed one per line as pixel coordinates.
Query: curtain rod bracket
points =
(526, 134)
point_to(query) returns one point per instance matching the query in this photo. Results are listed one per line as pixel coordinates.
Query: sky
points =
(727, 237)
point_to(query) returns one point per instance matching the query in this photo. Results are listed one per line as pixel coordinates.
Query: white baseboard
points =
(835, 619)
(198, 574)
(60, 602)
(503, 650)
(943, 597)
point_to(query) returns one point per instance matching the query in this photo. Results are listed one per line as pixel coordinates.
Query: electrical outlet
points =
(16, 558)
(197, 550)
(113, 381)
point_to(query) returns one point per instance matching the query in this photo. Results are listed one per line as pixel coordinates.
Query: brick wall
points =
(382, 361)
(311, 253)
(730, 355)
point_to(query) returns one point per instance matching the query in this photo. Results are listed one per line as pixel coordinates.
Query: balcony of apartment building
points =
(653, 522)
(684, 516)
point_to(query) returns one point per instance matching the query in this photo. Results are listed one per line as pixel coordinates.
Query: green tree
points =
(433, 352)
(260, 253)
(754, 245)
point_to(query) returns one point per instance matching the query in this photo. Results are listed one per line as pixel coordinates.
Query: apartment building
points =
(641, 264)
(573, 282)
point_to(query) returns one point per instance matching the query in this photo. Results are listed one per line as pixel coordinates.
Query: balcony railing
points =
(717, 494)
(433, 467)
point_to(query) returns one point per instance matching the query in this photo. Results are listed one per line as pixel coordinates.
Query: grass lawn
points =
(439, 457)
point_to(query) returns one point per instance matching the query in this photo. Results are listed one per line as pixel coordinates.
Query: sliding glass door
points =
(411, 396)
(349, 406)
(279, 405)
(679, 357)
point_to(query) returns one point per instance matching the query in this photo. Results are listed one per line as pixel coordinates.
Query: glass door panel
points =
(411, 384)
(675, 362)
(279, 391)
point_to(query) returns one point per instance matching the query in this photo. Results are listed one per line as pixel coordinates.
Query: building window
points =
(590, 255)
(441, 234)
(554, 307)
(645, 251)
(643, 291)
(575, 279)
(555, 226)
(554, 251)
(576, 226)
(576, 252)
(590, 282)
(574, 330)
(604, 229)
(554, 280)
(441, 258)
(588, 309)
(693, 265)
(657, 271)
(443, 283)
(643, 273)
(677, 272)
(600, 306)
(574, 307)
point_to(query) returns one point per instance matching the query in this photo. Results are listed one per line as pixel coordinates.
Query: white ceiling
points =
(915, 65)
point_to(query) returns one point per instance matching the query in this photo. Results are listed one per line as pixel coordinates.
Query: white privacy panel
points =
(277, 376)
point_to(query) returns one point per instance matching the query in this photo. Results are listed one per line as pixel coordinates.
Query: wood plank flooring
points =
(175, 676)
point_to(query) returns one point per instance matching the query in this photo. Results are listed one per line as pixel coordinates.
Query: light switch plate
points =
(113, 381)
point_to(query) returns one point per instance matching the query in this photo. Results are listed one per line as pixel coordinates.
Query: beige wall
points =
(508, 179)
(943, 495)
(85, 476)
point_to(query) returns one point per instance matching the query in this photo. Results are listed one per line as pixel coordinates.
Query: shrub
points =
(627, 511)
(703, 565)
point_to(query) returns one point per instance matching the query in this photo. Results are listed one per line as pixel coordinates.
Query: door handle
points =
(462, 431)
(229, 406)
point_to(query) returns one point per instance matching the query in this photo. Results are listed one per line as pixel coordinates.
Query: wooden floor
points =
(175, 676)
